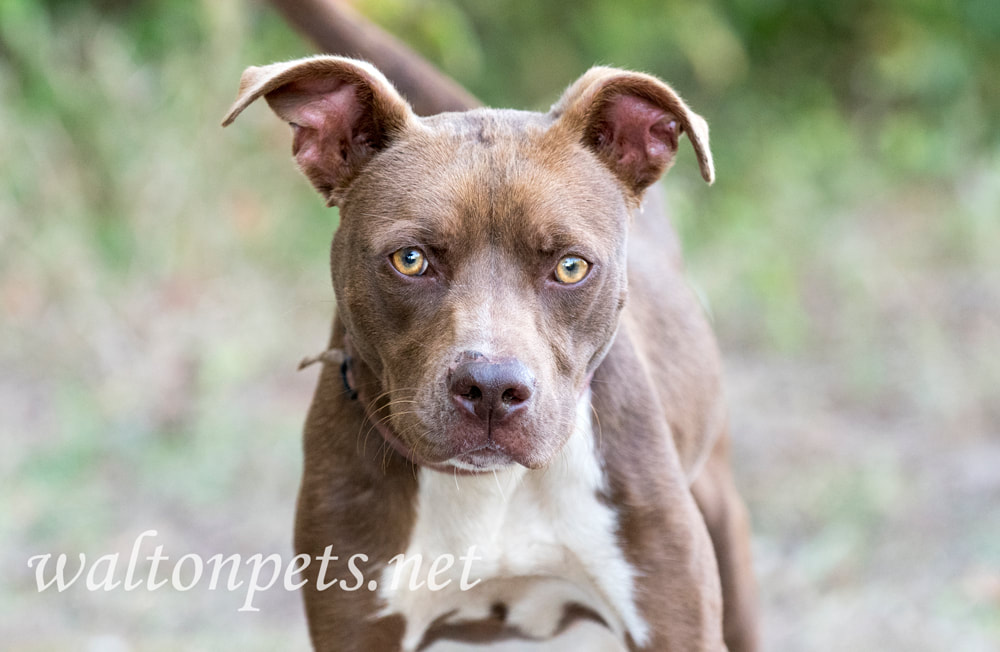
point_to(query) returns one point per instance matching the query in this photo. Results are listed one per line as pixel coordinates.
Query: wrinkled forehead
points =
(500, 177)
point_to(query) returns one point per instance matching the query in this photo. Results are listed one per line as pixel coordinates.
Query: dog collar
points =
(339, 357)
(345, 369)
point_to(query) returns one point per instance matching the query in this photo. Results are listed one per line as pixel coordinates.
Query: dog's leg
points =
(728, 525)
(350, 489)
(677, 585)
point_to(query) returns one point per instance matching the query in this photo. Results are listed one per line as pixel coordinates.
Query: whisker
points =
(361, 445)
(496, 479)
(600, 431)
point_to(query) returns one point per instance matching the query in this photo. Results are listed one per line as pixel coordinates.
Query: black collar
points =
(344, 367)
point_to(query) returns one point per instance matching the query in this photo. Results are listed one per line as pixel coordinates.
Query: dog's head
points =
(479, 265)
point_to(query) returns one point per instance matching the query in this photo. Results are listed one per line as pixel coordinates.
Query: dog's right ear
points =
(342, 113)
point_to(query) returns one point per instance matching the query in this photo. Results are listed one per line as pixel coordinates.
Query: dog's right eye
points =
(571, 270)
(409, 261)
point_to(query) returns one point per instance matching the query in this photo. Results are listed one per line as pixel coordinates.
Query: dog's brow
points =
(401, 233)
(553, 237)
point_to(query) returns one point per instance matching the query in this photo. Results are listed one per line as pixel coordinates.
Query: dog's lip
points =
(481, 459)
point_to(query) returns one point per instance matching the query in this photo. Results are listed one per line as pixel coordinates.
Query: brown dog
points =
(526, 386)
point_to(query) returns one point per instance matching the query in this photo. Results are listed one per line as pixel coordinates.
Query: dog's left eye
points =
(571, 269)
(409, 261)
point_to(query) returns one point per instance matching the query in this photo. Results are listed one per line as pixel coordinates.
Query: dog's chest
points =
(530, 545)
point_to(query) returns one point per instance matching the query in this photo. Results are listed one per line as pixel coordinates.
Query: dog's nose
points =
(491, 391)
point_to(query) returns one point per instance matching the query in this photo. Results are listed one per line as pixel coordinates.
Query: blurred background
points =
(161, 277)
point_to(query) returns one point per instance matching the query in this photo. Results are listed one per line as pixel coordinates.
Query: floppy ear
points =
(342, 113)
(633, 122)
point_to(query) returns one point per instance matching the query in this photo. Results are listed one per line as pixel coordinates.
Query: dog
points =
(518, 376)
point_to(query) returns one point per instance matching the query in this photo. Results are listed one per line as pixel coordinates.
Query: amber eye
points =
(409, 261)
(571, 269)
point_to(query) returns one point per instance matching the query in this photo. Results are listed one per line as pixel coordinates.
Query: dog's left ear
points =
(633, 122)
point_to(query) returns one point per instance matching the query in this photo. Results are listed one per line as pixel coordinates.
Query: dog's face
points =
(479, 265)
(482, 257)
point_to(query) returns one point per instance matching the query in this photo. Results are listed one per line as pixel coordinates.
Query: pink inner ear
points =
(638, 138)
(327, 117)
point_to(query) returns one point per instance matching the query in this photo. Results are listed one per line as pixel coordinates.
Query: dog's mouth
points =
(464, 446)
(480, 460)
(475, 459)
(483, 458)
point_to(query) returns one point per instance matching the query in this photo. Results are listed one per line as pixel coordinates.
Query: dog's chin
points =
(481, 461)
(491, 457)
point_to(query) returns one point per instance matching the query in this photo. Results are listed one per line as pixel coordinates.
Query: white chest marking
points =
(541, 538)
